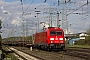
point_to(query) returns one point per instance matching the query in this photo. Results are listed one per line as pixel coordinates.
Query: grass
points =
(76, 45)
(8, 54)
(79, 46)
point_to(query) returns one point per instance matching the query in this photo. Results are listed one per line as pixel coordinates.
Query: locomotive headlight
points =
(51, 38)
(61, 38)
(51, 41)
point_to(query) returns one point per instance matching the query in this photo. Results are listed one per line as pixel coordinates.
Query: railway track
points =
(80, 52)
(22, 55)
(53, 55)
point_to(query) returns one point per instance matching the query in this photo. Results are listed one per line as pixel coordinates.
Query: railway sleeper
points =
(79, 54)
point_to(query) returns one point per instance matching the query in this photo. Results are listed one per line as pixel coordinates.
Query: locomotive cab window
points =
(55, 33)
(59, 32)
(52, 33)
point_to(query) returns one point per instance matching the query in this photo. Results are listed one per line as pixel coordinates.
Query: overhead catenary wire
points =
(79, 8)
(28, 7)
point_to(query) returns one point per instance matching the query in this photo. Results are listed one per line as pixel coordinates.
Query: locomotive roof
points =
(54, 28)
(49, 28)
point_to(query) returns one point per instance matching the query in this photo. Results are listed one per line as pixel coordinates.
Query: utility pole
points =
(51, 15)
(23, 33)
(66, 8)
(37, 12)
(58, 24)
(26, 28)
(64, 16)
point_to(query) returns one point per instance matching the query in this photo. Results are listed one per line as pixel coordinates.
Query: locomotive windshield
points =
(55, 33)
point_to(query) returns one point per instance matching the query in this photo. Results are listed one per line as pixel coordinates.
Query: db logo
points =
(56, 38)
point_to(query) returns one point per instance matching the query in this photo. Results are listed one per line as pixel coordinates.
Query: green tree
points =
(0, 36)
(88, 37)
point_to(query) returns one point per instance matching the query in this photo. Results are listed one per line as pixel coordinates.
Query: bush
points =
(0, 42)
(86, 41)
(88, 37)
(80, 42)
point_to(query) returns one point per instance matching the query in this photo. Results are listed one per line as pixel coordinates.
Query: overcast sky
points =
(14, 21)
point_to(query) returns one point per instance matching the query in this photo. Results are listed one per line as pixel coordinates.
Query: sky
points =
(19, 19)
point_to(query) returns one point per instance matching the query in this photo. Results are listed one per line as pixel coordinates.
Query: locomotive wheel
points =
(49, 49)
(46, 48)
(63, 47)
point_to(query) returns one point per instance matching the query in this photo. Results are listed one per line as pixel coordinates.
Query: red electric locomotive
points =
(51, 38)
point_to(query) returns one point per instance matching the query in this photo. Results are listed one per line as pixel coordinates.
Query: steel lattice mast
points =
(64, 17)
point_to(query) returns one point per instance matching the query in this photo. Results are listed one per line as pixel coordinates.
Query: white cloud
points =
(17, 21)
(0, 18)
(4, 11)
(14, 16)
